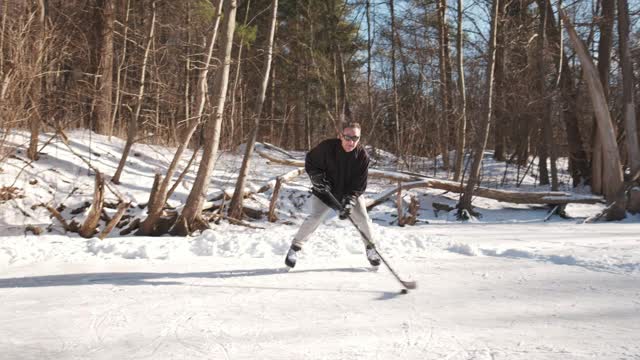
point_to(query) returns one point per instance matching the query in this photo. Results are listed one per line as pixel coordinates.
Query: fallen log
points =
(283, 178)
(411, 181)
(273, 147)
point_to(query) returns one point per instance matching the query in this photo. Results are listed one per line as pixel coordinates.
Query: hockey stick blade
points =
(409, 284)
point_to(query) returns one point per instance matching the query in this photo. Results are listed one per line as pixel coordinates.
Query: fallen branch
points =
(216, 217)
(88, 228)
(114, 220)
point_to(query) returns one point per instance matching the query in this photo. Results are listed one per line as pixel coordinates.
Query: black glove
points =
(348, 203)
(320, 183)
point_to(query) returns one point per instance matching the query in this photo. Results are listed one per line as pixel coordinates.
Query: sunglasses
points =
(351, 138)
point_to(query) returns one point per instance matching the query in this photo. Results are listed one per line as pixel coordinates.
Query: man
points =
(338, 169)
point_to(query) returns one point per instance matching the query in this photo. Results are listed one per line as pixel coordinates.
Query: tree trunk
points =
(235, 207)
(369, 45)
(37, 95)
(236, 82)
(396, 117)
(345, 108)
(462, 113)
(132, 131)
(613, 181)
(485, 124)
(88, 228)
(544, 108)
(578, 163)
(148, 226)
(445, 80)
(191, 214)
(105, 81)
(499, 108)
(604, 61)
(125, 40)
(629, 111)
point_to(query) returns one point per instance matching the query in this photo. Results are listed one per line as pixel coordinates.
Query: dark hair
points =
(351, 125)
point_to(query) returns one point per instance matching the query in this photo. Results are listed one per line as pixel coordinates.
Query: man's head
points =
(350, 136)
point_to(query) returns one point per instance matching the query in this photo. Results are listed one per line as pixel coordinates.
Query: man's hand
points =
(320, 183)
(348, 203)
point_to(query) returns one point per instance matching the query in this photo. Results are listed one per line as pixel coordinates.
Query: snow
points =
(507, 285)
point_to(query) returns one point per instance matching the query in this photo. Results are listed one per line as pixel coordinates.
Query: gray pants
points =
(320, 211)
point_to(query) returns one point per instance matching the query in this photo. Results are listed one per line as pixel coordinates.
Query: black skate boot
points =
(292, 256)
(372, 256)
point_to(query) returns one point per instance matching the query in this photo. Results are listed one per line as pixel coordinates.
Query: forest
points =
(449, 81)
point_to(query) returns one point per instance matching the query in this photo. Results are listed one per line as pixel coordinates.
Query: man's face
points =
(350, 138)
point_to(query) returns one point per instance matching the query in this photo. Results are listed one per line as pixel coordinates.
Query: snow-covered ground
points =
(506, 286)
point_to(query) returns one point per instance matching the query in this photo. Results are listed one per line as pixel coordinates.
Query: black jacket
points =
(346, 171)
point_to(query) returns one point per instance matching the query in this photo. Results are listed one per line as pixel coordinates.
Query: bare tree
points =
(578, 163)
(394, 82)
(159, 197)
(369, 45)
(445, 80)
(236, 82)
(546, 148)
(132, 131)
(190, 219)
(235, 207)
(501, 92)
(462, 110)
(119, 80)
(613, 181)
(37, 96)
(629, 111)
(105, 81)
(483, 133)
(604, 60)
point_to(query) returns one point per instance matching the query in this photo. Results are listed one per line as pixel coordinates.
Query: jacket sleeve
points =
(359, 182)
(315, 161)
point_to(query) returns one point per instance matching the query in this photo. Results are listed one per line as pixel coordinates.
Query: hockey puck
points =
(404, 291)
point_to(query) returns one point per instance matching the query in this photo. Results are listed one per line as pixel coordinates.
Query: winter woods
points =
(528, 82)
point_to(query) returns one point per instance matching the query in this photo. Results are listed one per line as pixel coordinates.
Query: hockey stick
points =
(406, 284)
